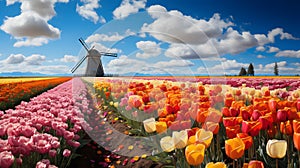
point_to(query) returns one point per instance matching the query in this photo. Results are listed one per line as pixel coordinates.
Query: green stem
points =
(276, 163)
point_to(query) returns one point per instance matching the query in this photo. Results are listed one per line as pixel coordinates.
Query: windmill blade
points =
(78, 64)
(84, 44)
(109, 54)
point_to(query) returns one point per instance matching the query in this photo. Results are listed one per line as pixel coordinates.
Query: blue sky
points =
(151, 36)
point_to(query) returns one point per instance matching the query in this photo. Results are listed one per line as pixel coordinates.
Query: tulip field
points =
(250, 122)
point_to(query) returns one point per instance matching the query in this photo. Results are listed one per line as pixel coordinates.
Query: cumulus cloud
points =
(225, 67)
(31, 27)
(126, 65)
(283, 67)
(288, 53)
(190, 30)
(260, 48)
(149, 49)
(199, 38)
(102, 48)
(69, 58)
(87, 11)
(128, 7)
(173, 64)
(34, 59)
(260, 56)
(15, 59)
(273, 49)
(111, 37)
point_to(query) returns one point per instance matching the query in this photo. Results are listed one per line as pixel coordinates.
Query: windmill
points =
(94, 66)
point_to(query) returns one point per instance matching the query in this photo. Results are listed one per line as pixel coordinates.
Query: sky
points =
(151, 37)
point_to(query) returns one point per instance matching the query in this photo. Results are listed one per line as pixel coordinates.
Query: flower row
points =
(45, 131)
(13, 93)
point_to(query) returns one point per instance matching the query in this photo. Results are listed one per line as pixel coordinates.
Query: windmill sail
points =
(94, 64)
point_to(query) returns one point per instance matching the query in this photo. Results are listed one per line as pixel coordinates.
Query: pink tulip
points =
(52, 153)
(66, 153)
(6, 159)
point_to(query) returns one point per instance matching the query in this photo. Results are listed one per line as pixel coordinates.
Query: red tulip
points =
(251, 127)
(255, 115)
(231, 121)
(231, 131)
(225, 111)
(266, 121)
(255, 164)
(282, 115)
(246, 113)
(234, 112)
(272, 105)
(248, 140)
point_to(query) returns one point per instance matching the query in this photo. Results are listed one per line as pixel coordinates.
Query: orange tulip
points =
(194, 154)
(255, 164)
(296, 125)
(248, 140)
(296, 139)
(201, 115)
(234, 148)
(286, 128)
(215, 165)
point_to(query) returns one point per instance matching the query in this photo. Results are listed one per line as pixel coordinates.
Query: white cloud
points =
(174, 64)
(69, 58)
(199, 38)
(261, 56)
(31, 27)
(15, 59)
(35, 59)
(126, 65)
(128, 7)
(87, 10)
(189, 31)
(288, 53)
(149, 49)
(283, 35)
(102, 48)
(273, 49)
(112, 37)
(32, 63)
(260, 48)
(283, 68)
(225, 67)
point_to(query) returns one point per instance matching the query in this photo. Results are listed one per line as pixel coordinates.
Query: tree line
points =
(250, 70)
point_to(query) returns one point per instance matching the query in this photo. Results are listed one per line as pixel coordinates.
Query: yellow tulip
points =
(149, 125)
(216, 165)
(180, 139)
(166, 143)
(161, 126)
(204, 137)
(276, 148)
(194, 154)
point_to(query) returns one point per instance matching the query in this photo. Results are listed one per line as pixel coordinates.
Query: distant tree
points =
(243, 72)
(250, 70)
(276, 69)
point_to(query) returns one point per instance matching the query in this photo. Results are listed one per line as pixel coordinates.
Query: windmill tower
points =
(94, 66)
